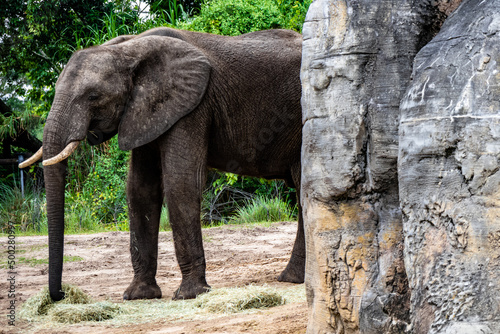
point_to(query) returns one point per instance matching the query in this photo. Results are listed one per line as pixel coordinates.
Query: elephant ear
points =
(169, 77)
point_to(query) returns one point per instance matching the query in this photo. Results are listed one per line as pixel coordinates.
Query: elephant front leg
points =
(183, 195)
(144, 195)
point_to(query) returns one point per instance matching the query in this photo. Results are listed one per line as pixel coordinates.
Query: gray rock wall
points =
(357, 63)
(449, 173)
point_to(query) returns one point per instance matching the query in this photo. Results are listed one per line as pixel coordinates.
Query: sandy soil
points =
(236, 256)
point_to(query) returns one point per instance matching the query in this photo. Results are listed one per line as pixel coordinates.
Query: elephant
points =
(183, 102)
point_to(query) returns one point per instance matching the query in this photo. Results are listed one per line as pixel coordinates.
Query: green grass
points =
(27, 213)
(260, 209)
(67, 258)
(30, 218)
(33, 262)
(263, 209)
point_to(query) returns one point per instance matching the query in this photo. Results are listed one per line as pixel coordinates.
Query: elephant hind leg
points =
(144, 195)
(295, 270)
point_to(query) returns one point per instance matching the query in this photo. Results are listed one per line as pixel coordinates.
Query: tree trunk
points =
(449, 175)
(357, 57)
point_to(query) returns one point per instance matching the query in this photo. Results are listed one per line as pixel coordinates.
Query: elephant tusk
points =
(70, 148)
(33, 159)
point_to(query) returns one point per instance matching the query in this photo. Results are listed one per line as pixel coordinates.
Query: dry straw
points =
(232, 300)
(71, 314)
(75, 307)
(78, 307)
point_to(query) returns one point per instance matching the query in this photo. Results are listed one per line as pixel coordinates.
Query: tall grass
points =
(130, 23)
(264, 209)
(28, 213)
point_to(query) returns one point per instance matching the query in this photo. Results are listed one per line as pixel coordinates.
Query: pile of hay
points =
(78, 306)
(232, 300)
(75, 307)
(74, 313)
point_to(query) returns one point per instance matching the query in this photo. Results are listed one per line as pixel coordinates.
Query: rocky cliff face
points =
(357, 65)
(449, 175)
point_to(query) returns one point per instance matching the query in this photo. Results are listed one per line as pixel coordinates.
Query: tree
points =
(38, 37)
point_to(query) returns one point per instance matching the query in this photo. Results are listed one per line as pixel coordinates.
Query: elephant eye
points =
(93, 97)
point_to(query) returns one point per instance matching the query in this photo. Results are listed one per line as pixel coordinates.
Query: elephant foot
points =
(141, 290)
(293, 273)
(189, 290)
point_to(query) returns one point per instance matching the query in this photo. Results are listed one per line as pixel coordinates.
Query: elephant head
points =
(137, 89)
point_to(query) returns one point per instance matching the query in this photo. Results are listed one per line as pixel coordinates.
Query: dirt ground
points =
(236, 256)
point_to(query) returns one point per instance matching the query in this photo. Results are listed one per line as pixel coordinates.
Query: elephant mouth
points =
(96, 137)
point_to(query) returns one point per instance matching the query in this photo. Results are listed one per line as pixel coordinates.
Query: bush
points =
(235, 17)
(294, 13)
(263, 209)
(226, 193)
(102, 196)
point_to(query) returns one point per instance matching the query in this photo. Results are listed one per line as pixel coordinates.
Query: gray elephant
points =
(182, 102)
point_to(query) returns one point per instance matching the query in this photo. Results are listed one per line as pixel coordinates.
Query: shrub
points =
(235, 17)
(294, 13)
(101, 198)
(261, 209)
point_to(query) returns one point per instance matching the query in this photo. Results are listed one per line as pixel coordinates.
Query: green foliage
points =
(171, 12)
(28, 213)
(113, 24)
(164, 220)
(101, 198)
(191, 7)
(235, 17)
(37, 40)
(294, 13)
(264, 209)
(226, 193)
(13, 124)
(41, 36)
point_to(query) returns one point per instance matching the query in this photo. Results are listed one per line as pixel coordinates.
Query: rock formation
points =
(357, 63)
(449, 173)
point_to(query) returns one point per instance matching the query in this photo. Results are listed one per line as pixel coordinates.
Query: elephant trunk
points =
(54, 185)
(56, 135)
(55, 180)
